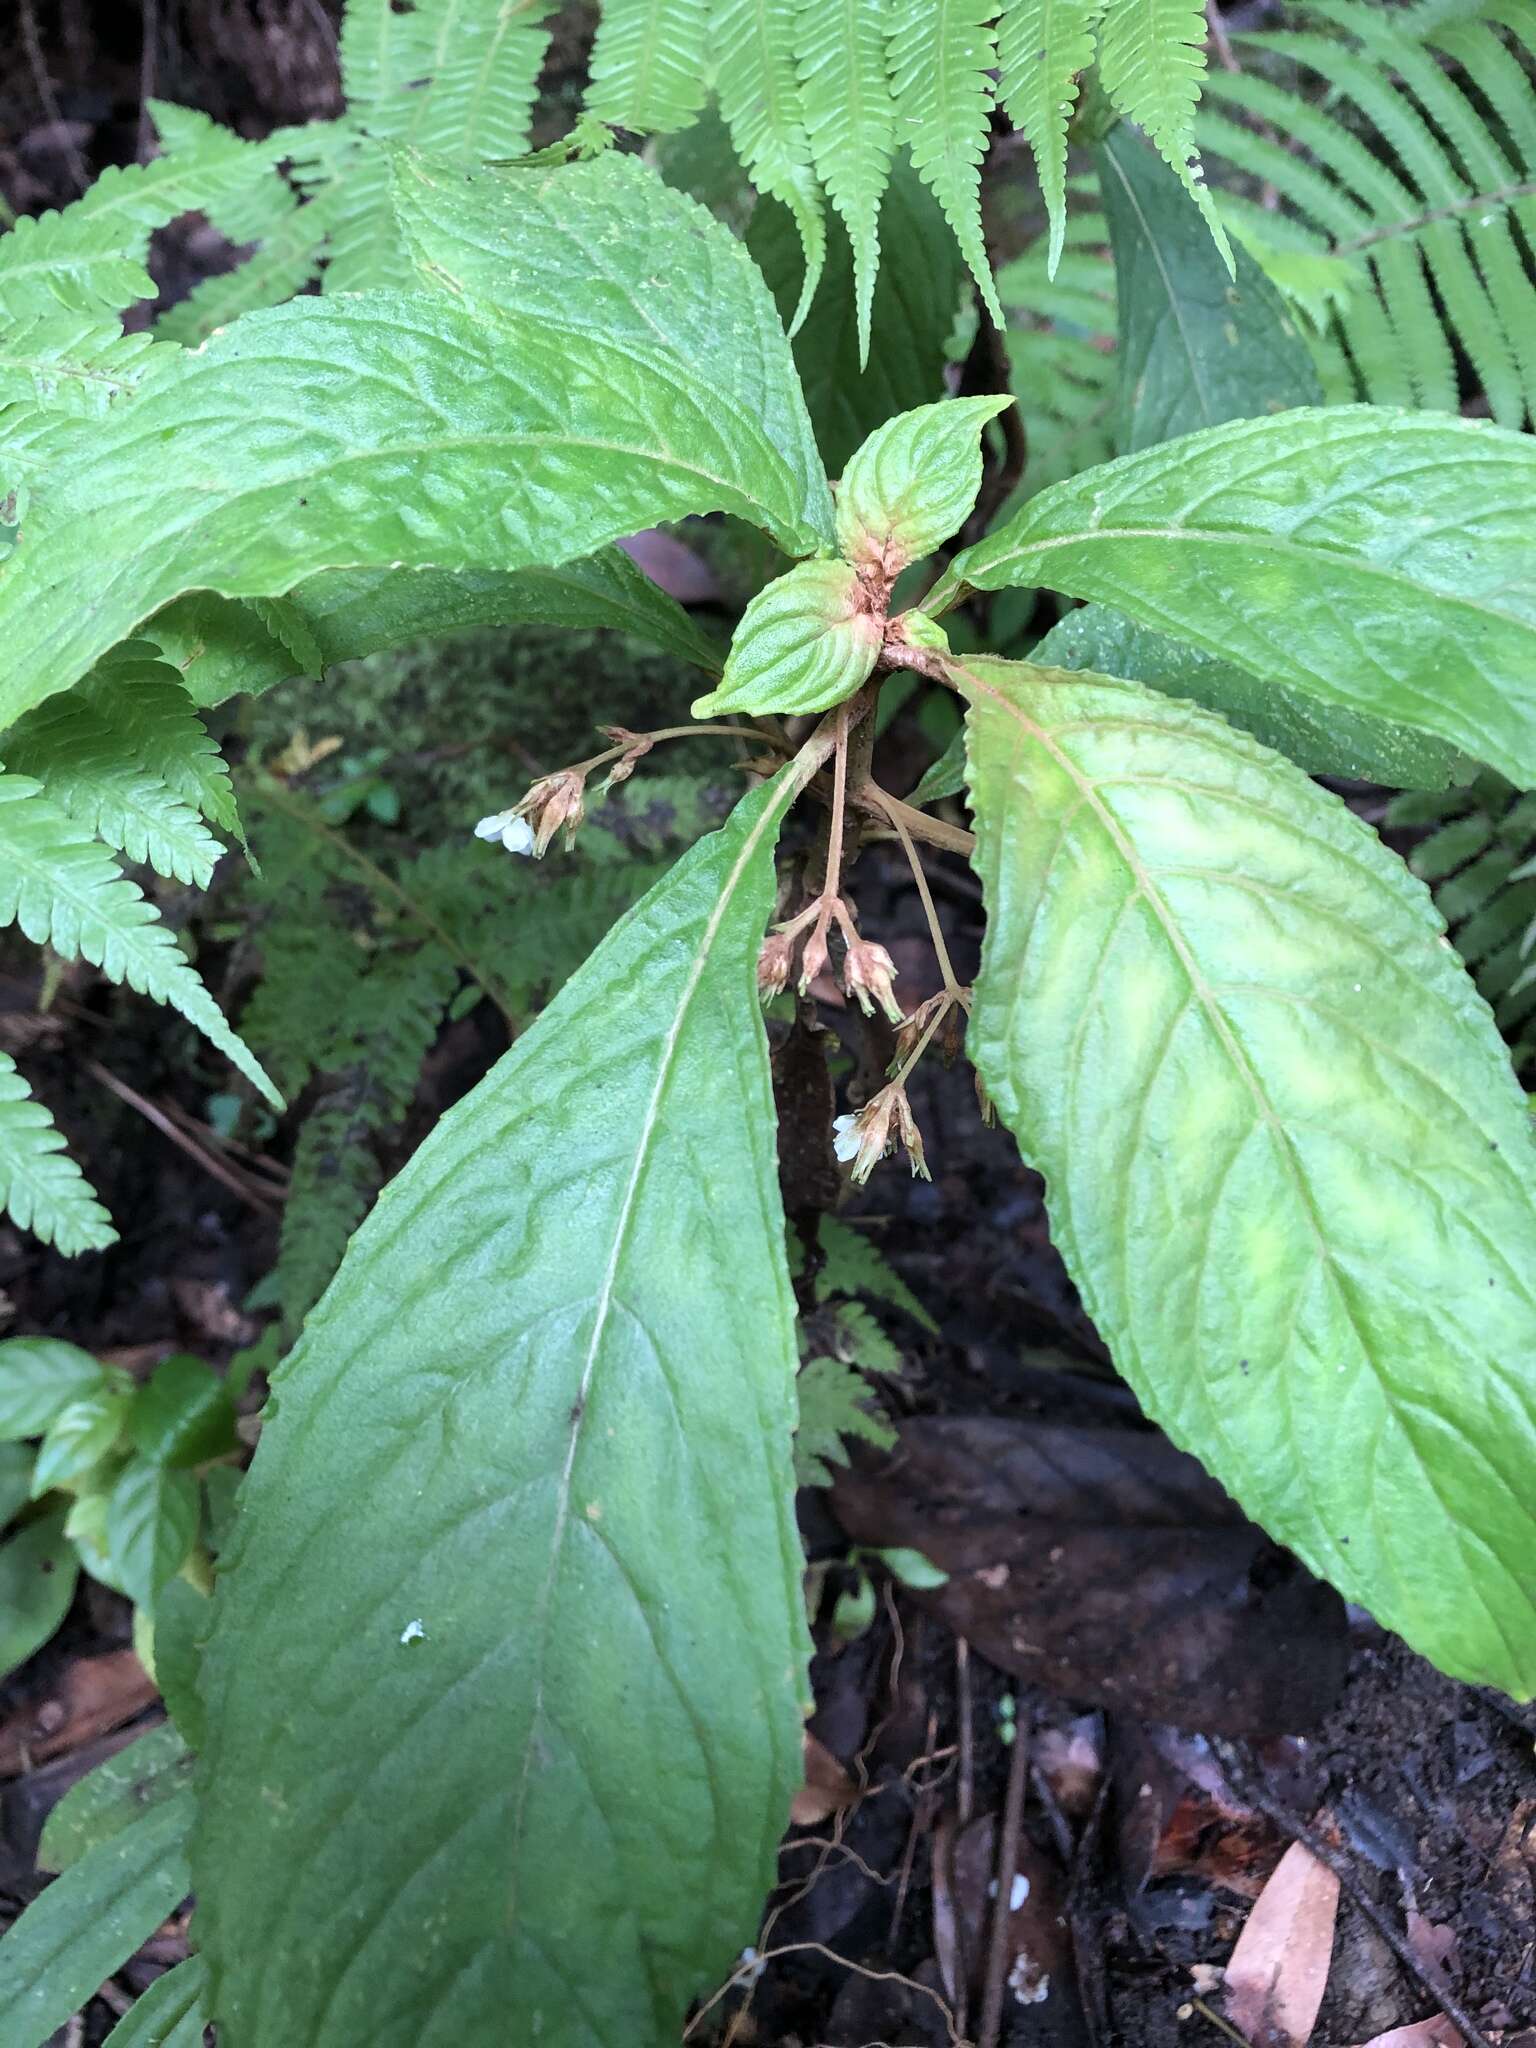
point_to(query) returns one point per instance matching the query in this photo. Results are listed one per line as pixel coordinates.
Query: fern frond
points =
(41, 1188)
(647, 68)
(386, 55)
(1426, 198)
(64, 890)
(143, 703)
(484, 64)
(852, 1266)
(334, 1178)
(760, 102)
(1151, 64)
(1042, 45)
(287, 257)
(1062, 347)
(942, 54)
(1476, 857)
(834, 1405)
(73, 363)
(850, 119)
(89, 257)
(89, 771)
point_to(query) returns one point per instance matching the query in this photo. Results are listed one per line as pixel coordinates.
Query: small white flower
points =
(514, 832)
(845, 1137)
(414, 1631)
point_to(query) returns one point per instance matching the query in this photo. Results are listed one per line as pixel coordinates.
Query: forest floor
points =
(1209, 1794)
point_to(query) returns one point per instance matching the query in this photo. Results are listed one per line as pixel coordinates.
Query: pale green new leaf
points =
(1373, 559)
(66, 891)
(88, 1922)
(805, 642)
(41, 1188)
(647, 69)
(407, 429)
(913, 483)
(82, 1433)
(1198, 344)
(850, 118)
(1042, 45)
(759, 89)
(600, 1393)
(942, 54)
(72, 363)
(170, 2013)
(1287, 1162)
(1152, 63)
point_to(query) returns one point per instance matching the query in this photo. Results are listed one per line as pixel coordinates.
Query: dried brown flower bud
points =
(868, 971)
(866, 1137)
(773, 964)
(554, 801)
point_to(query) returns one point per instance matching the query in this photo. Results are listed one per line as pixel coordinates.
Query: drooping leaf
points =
(759, 88)
(1325, 739)
(1198, 344)
(591, 401)
(912, 483)
(916, 300)
(850, 119)
(37, 1582)
(608, 1402)
(1287, 1162)
(41, 1187)
(39, 1377)
(1042, 45)
(168, 2015)
(1152, 64)
(113, 1795)
(89, 1922)
(942, 55)
(806, 641)
(1373, 559)
(647, 68)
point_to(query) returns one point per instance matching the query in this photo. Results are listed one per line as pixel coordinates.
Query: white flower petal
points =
(493, 826)
(845, 1137)
(517, 836)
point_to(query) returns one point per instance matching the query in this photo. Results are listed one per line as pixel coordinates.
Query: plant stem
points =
(951, 985)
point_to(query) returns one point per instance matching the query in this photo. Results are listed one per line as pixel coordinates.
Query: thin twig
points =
(260, 1200)
(1002, 1905)
(791, 1948)
(42, 84)
(1221, 42)
(1207, 2013)
(934, 931)
(932, 831)
(965, 1790)
(147, 53)
(1248, 1782)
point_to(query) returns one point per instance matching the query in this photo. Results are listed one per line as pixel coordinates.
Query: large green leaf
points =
(37, 1582)
(89, 1921)
(1376, 559)
(1198, 343)
(113, 1795)
(625, 280)
(1325, 739)
(415, 430)
(517, 1546)
(1288, 1165)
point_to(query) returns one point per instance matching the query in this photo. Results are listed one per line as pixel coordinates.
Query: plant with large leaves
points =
(517, 1542)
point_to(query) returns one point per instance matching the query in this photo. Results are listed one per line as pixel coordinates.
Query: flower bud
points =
(868, 971)
(773, 965)
(865, 1138)
(554, 801)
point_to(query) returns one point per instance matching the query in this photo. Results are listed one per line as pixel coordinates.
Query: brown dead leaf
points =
(94, 1695)
(1105, 1566)
(1435, 2033)
(1278, 1972)
(828, 1789)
